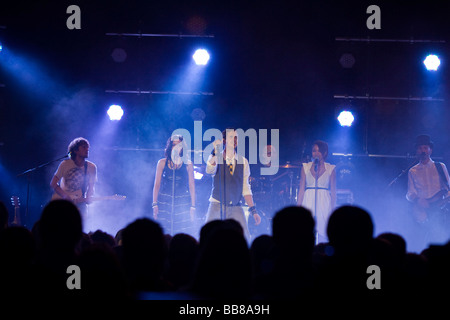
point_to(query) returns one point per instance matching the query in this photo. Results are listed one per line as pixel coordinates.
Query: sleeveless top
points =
(322, 211)
(174, 200)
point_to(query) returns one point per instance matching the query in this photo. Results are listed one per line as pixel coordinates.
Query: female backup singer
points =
(317, 190)
(174, 190)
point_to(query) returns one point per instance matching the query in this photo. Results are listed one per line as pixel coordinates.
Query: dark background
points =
(274, 65)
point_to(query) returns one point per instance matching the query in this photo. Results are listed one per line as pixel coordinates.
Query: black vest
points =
(233, 182)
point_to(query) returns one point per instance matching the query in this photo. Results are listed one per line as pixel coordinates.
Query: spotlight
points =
(1, 47)
(201, 57)
(347, 61)
(119, 55)
(346, 119)
(432, 62)
(197, 174)
(115, 112)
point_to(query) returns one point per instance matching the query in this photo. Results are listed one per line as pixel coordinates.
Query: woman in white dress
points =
(317, 190)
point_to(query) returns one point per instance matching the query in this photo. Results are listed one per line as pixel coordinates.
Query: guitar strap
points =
(83, 189)
(442, 175)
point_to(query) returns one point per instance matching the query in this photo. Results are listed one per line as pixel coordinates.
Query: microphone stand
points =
(173, 198)
(316, 169)
(402, 173)
(27, 173)
(224, 166)
(218, 154)
(291, 177)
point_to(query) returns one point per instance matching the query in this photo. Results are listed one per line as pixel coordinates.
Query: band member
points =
(317, 191)
(174, 190)
(230, 183)
(75, 178)
(428, 188)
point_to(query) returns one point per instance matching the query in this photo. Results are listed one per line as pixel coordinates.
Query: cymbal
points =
(289, 166)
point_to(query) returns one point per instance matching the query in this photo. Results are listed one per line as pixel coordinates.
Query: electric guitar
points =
(439, 203)
(78, 198)
(15, 201)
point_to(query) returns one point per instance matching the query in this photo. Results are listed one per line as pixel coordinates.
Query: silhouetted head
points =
(100, 236)
(182, 246)
(224, 266)
(293, 227)
(350, 230)
(213, 225)
(183, 252)
(261, 254)
(144, 252)
(60, 225)
(396, 240)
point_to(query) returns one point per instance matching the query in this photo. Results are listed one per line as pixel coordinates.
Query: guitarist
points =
(428, 182)
(75, 178)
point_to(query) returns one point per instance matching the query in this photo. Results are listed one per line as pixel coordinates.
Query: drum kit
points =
(272, 193)
(277, 191)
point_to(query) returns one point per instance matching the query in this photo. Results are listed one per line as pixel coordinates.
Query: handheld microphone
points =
(217, 148)
(316, 164)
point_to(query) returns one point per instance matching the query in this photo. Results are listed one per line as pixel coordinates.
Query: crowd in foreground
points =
(141, 262)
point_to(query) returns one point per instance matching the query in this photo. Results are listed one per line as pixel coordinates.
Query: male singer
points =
(230, 183)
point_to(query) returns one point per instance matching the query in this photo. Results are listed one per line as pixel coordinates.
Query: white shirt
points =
(424, 181)
(211, 169)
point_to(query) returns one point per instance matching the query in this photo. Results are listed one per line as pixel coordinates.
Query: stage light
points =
(346, 118)
(197, 174)
(432, 62)
(119, 55)
(115, 112)
(1, 47)
(201, 57)
(347, 61)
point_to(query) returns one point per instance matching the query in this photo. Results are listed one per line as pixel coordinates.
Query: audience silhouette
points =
(292, 249)
(144, 255)
(4, 216)
(223, 269)
(142, 262)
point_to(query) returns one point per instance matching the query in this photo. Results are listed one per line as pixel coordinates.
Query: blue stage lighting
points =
(115, 112)
(1, 47)
(201, 57)
(346, 118)
(432, 62)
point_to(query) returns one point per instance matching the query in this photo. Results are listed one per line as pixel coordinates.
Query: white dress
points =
(323, 196)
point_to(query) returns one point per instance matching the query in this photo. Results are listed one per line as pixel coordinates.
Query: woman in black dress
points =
(174, 190)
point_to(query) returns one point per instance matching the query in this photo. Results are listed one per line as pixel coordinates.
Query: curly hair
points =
(75, 144)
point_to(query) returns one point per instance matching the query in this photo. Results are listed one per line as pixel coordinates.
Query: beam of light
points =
(7, 181)
(115, 112)
(201, 57)
(1, 47)
(34, 77)
(346, 118)
(432, 62)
